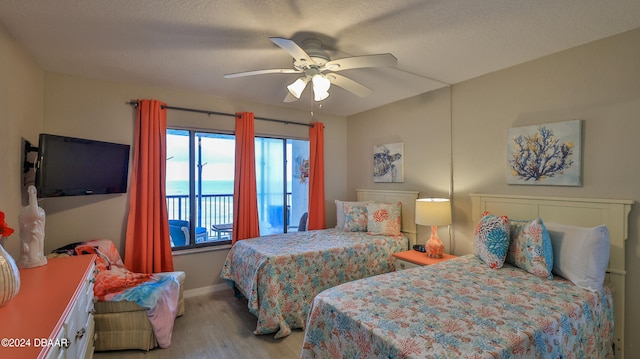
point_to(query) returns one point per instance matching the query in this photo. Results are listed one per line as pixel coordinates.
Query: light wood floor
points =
(218, 326)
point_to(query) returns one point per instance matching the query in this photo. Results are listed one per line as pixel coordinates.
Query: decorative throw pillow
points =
(491, 239)
(530, 247)
(384, 218)
(340, 211)
(355, 217)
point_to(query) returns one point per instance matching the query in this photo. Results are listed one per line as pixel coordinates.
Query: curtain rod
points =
(135, 104)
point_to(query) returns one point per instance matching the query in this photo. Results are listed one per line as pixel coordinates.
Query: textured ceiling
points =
(191, 44)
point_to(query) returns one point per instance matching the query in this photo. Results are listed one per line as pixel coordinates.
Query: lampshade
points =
(321, 86)
(433, 211)
(298, 86)
(319, 96)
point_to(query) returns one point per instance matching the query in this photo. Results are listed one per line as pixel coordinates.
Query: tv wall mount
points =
(26, 165)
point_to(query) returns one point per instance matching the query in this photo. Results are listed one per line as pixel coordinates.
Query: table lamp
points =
(433, 212)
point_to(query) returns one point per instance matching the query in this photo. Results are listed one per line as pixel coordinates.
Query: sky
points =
(218, 153)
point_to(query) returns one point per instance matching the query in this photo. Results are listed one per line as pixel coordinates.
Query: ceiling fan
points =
(316, 66)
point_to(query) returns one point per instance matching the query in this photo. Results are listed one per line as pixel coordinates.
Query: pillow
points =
(340, 211)
(491, 239)
(355, 217)
(580, 254)
(530, 247)
(384, 218)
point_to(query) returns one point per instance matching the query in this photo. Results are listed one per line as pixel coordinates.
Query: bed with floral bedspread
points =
(281, 274)
(460, 308)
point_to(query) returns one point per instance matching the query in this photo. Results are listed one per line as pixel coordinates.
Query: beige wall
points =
(21, 108)
(94, 109)
(598, 83)
(423, 125)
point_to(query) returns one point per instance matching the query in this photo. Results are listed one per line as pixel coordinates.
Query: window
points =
(200, 179)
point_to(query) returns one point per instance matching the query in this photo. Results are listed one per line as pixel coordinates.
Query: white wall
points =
(598, 83)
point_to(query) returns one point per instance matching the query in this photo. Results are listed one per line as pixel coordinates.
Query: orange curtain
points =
(147, 247)
(317, 218)
(245, 195)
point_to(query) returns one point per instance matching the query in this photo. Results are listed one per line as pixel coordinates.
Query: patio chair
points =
(302, 226)
(179, 232)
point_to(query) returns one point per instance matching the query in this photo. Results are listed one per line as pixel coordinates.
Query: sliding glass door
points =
(297, 183)
(200, 178)
(282, 183)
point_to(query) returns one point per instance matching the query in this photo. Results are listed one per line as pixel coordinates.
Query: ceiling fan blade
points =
(349, 85)
(290, 97)
(357, 62)
(292, 48)
(261, 72)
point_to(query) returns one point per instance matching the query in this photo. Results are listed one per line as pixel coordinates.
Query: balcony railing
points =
(214, 209)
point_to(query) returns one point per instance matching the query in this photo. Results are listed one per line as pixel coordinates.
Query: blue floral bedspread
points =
(460, 309)
(281, 274)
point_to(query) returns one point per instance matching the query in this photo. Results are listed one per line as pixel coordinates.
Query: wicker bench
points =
(125, 325)
(119, 325)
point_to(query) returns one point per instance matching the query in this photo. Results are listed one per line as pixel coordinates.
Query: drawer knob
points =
(80, 333)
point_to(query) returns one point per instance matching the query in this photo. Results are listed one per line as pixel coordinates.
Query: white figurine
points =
(31, 220)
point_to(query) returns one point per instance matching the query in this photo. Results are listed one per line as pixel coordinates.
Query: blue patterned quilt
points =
(281, 274)
(460, 308)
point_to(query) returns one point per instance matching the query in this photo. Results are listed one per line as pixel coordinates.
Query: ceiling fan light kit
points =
(298, 86)
(312, 62)
(321, 86)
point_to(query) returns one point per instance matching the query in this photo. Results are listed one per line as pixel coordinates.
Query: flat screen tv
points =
(69, 166)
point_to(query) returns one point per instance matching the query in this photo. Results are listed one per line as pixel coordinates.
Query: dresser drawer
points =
(77, 330)
(402, 265)
(59, 351)
(80, 320)
(54, 303)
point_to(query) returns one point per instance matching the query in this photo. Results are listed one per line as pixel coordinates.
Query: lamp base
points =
(434, 246)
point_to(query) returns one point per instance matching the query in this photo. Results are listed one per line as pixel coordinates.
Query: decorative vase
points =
(9, 276)
(31, 220)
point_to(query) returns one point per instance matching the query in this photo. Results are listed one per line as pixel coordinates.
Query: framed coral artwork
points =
(387, 163)
(547, 154)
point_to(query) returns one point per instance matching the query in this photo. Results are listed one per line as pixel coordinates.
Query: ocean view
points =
(220, 210)
(208, 187)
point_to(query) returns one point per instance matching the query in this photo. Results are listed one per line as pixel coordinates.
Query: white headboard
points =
(408, 200)
(584, 212)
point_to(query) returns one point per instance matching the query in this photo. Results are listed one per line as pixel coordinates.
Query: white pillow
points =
(580, 254)
(340, 211)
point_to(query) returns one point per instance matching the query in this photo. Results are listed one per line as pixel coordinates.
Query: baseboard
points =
(206, 290)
